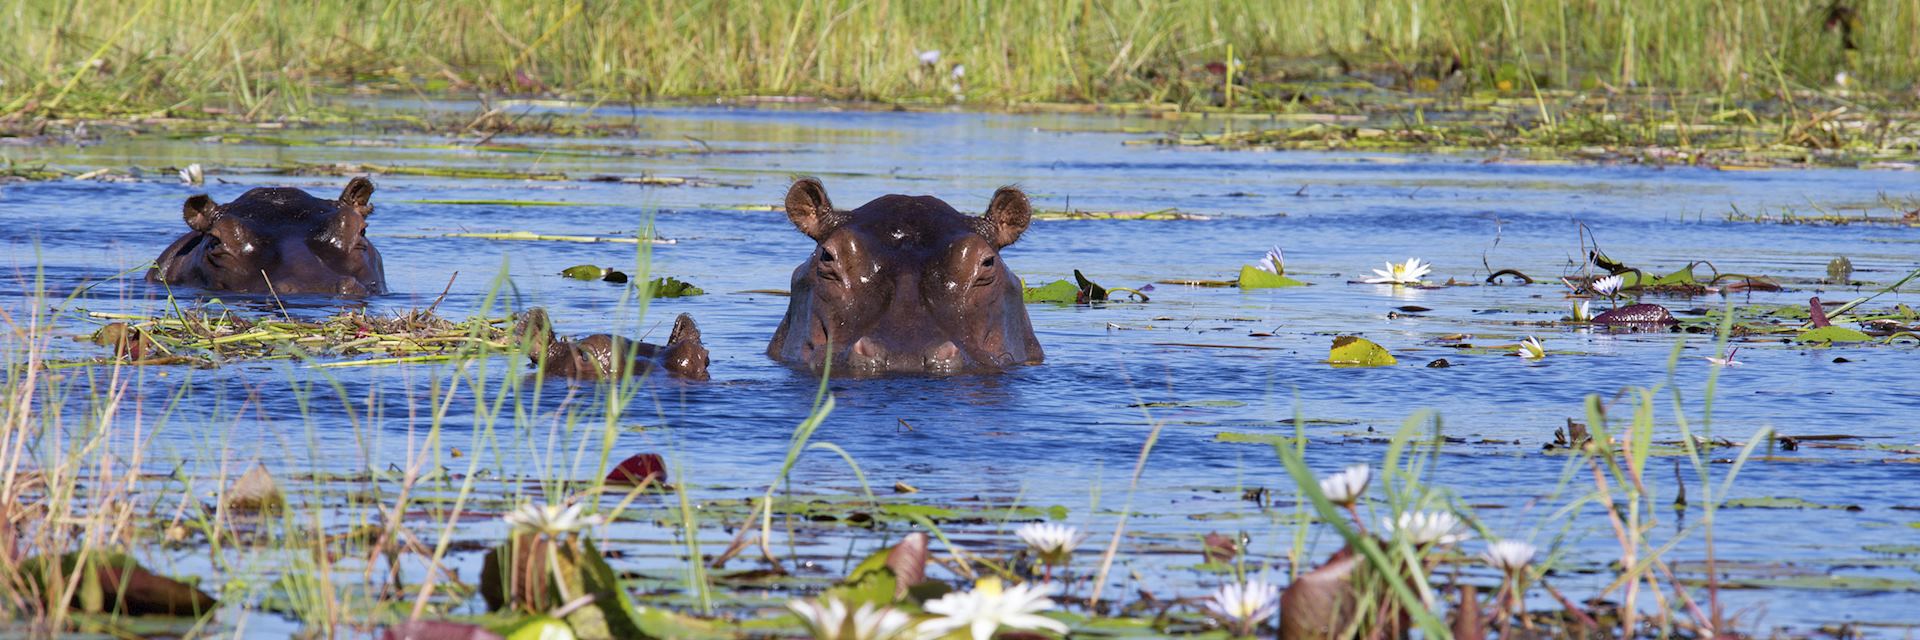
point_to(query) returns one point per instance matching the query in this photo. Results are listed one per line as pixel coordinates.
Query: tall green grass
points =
(266, 58)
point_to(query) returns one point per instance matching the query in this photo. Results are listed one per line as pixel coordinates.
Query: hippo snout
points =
(871, 355)
(352, 288)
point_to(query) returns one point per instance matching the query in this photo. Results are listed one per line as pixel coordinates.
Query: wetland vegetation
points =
(1645, 377)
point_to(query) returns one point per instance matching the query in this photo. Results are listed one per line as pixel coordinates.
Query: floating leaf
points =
(1320, 604)
(1253, 278)
(585, 272)
(669, 287)
(1786, 502)
(116, 584)
(1636, 314)
(1088, 291)
(908, 560)
(540, 627)
(638, 468)
(1355, 351)
(1840, 271)
(1058, 291)
(1832, 334)
(255, 490)
(442, 630)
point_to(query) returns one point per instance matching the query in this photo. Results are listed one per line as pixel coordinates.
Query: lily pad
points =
(1832, 334)
(1782, 503)
(668, 287)
(1355, 351)
(594, 272)
(1058, 291)
(1255, 278)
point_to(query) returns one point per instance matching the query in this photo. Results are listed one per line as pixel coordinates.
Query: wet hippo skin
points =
(277, 240)
(905, 285)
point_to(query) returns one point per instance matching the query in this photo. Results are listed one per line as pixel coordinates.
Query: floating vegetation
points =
(210, 339)
(1354, 351)
(529, 236)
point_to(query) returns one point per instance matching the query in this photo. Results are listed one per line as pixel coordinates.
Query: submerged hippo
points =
(601, 356)
(906, 284)
(277, 240)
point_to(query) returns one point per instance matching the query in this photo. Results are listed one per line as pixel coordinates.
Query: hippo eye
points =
(987, 263)
(826, 256)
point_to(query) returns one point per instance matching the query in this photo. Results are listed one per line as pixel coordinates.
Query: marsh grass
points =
(256, 60)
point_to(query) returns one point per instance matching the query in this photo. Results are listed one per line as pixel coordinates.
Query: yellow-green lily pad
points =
(1355, 351)
(1833, 334)
(1255, 278)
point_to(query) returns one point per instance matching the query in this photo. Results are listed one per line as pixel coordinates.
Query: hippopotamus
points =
(601, 356)
(905, 285)
(277, 240)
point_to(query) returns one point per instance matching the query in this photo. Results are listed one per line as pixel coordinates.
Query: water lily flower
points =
(1531, 349)
(1509, 556)
(990, 607)
(1409, 273)
(1426, 527)
(1726, 361)
(550, 520)
(1608, 286)
(193, 174)
(1275, 262)
(959, 71)
(828, 619)
(1581, 313)
(1054, 543)
(931, 56)
(1243, 606)
(1346, 487)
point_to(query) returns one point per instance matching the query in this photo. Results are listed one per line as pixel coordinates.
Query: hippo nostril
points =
(866, 348)
(945, 356)
(351, 287)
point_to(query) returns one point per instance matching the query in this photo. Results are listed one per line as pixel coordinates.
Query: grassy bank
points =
(269, 59)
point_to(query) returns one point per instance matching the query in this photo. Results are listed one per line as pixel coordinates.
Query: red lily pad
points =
(637, 469)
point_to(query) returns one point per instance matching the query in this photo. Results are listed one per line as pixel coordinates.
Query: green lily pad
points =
(1355, 351)
(1058, 291)
(1255, 278)
(1781, 503)
(1833, 334)
(1235, 437)
(540, 627)
(668, 287)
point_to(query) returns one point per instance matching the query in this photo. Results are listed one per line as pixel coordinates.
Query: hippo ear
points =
(1007, 217)
(684, 330)
(811, 211)
(358, 193)
(199, 212)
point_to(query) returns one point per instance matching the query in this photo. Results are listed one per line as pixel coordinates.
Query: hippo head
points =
(277, 240)
(905, 284)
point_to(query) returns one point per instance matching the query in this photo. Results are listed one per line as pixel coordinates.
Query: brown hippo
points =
(277, 240)
(906, 284)
(601, 356)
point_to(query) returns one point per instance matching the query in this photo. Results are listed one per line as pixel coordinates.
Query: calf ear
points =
(1006, 218)
(199, 212)
(359, 193)
(684, 330)
(811, 211)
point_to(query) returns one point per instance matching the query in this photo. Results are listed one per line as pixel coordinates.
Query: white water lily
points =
(1054, 543)
(1408, 273)
(1243, 606)
(549, 520)
(1346, 487)
(193, 174)
(1509, 556)
(1607, 286)
(1275, 262)
(1727, 360)
(1581, 313)
(1531, 349)
(930, 56)
(829, 619)
(1426, 527)
(990, 607)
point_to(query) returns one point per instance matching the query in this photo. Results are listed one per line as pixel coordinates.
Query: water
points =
(1069, 432)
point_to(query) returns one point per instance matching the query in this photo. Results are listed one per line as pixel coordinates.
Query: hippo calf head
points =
(906, 284)
(277, 240)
